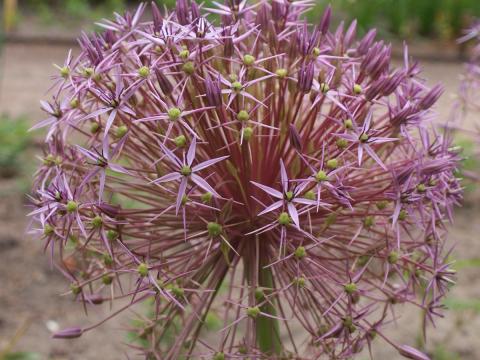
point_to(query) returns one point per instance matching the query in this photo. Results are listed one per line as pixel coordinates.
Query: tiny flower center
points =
(342, 143)
(143, 72)
(348, 124)
(300, 281)
(237, 86)
(184, 54)
(186, 170)
(65, 71)
(289, 195)
(324, 88)
(97, 221)
(363, 138)
(350, 288)
(321, 176)
(112, 235)
(174, 113)
(72, 206)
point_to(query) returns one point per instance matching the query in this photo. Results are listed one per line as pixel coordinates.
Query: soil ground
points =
(30, 290)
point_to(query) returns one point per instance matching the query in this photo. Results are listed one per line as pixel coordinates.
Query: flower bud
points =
(70, 333)
(412, 353)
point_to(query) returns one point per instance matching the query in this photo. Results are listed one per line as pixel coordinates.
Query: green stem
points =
(267, 329)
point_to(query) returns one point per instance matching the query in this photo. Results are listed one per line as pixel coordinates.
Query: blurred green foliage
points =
(14, 140)
(443, 19)
(78, 10)
(21, 356)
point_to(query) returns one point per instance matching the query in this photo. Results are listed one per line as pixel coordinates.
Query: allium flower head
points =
(271, 173)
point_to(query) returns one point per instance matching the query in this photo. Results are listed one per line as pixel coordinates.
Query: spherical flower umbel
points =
(281, 177)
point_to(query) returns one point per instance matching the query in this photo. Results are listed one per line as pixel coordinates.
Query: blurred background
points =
(35, 34)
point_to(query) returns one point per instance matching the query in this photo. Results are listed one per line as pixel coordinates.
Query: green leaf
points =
(21, 356)
(462, 305)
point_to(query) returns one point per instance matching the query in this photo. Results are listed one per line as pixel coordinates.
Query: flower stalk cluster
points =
(278, 175)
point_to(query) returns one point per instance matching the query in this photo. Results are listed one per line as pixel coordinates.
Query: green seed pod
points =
(72, 206)
(243, 116)
(402, 215)
(214, 229)
(107, 279)
(350, 288)
(332, 164)
(107, 260)
(180, 141)
(112, 235)
(348, 124)
(74, 103)
(237, 86)
(284, 219)
(174, 114)
(142, 269)
(363, 138)
(393, 257)
(381, 205)
(259, 294)
(281, 73)
(94, 127)
(248, 60)
(247, 133)
(300, 281)
(121, 131)
(300, 252)
(357, 89)
(321, 176)
(219, 356)
(206, 197)
(184, 54)
(421, 188)
(97, 221)
(369, 221)
(253, 312)
(342, 143)
(324, 88)
(75, 289)
(143, 72)
(310, 195)
(186, 170)
(188, 68)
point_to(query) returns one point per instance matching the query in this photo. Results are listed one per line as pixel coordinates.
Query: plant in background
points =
(443, 19)
(14, 140)
(278, 176)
